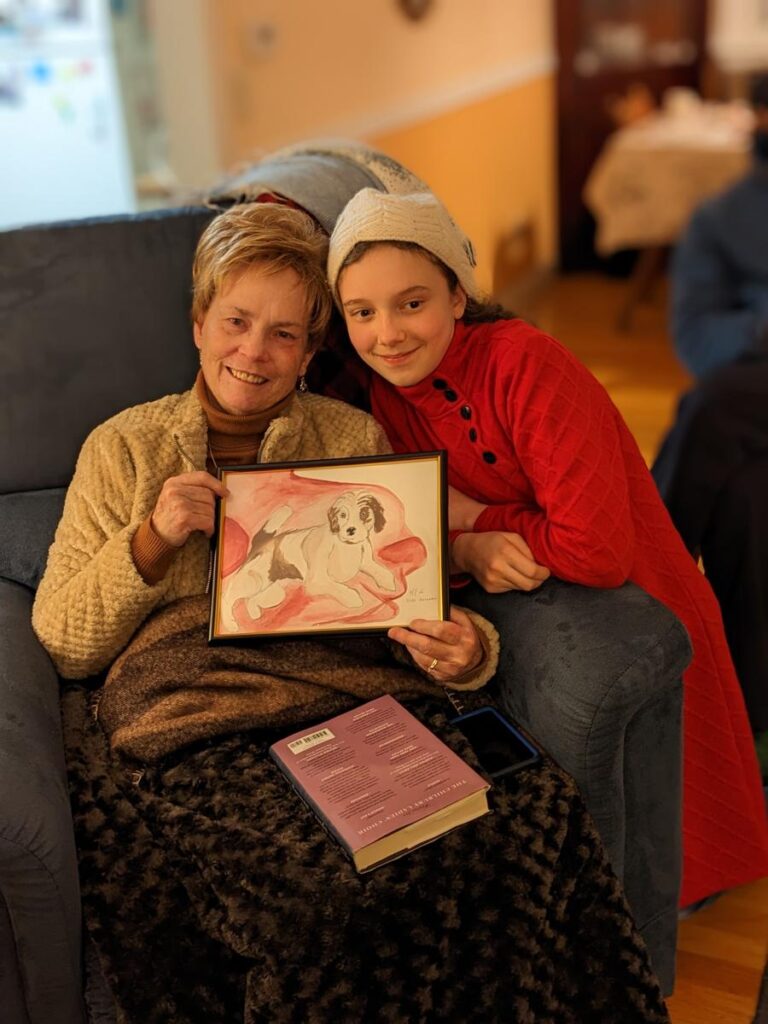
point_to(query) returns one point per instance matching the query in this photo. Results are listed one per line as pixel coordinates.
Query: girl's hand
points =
(186, 503)
(498, 561)
(454, 647)
(462, 510)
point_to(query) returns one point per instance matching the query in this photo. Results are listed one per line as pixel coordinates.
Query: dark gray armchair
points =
(93, 318)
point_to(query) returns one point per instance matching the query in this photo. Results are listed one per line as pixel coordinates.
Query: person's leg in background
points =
(712, 472)
(735, 555)
(721, 425)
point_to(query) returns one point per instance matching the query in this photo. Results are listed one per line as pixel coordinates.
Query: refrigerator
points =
(63, 146)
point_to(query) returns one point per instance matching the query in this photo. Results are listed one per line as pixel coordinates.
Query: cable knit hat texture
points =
(374, 216)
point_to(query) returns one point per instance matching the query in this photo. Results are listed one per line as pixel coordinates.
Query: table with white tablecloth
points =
(651, 175)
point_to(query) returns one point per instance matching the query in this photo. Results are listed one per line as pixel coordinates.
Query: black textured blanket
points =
(213, 895)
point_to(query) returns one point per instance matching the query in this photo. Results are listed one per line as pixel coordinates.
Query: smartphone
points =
(499, 746)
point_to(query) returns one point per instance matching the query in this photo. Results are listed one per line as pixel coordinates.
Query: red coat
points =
(532, 434)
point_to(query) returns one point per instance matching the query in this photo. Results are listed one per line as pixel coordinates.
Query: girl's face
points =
(400, 312)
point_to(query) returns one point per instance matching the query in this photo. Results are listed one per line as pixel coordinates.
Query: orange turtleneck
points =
(233, 441)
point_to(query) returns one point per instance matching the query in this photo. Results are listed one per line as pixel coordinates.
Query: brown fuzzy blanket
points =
(170, 687)
(213, 895)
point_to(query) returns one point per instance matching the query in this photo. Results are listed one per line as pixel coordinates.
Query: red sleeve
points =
(567, 436)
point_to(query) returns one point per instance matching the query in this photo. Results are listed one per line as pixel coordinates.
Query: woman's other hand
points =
(444, 649)
(462, 510)
(186, 503)
(498, 561)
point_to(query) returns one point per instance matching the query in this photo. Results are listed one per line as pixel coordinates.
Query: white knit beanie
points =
(374, 216)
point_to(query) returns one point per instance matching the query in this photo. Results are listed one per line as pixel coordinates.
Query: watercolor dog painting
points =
(329, 548)
(324, 557)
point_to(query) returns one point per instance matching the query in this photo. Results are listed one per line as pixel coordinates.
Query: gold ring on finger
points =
(432, 665)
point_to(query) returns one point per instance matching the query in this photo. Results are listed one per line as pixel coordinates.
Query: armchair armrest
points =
(595, 676)
(38, 865)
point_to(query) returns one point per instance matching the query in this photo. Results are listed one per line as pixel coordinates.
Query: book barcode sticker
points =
(311, 740)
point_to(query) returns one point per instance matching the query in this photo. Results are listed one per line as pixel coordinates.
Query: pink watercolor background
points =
(252, 500)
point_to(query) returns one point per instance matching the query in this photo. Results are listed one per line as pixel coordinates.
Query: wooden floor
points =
(722, 949)
(638, 368)
(721, 953)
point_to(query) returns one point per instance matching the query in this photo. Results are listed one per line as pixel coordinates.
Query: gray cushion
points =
(38, 864)
(94, 317)
(27, 524)
(11, 983)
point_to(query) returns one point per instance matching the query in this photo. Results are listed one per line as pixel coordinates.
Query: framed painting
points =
(334, 547)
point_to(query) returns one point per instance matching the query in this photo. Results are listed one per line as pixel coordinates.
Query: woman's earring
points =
(302, 385)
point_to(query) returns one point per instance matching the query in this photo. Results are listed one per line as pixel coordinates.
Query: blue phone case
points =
(500, 747)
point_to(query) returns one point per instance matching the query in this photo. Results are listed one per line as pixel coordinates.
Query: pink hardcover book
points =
(380, 781)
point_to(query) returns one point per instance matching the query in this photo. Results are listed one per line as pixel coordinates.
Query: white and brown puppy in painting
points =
(324, 557)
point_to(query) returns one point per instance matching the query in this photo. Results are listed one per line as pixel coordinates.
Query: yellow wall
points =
(493, 165)
(464, 97)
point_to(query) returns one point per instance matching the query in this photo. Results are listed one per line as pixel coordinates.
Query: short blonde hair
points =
(274, 237)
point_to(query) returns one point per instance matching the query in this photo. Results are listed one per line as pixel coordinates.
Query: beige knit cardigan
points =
(92, 599)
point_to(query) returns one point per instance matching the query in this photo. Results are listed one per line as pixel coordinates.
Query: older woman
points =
(134, 534)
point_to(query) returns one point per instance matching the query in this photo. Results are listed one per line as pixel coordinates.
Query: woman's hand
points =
(462, 510)
(444, 649)
(498, 561)
(186, 503)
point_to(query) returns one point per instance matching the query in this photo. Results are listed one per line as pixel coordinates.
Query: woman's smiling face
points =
(400, 312)
(253, 339)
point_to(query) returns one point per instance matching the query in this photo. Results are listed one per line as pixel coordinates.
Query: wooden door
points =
(604, 46)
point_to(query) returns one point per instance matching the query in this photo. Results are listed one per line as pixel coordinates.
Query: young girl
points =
(545, 479)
